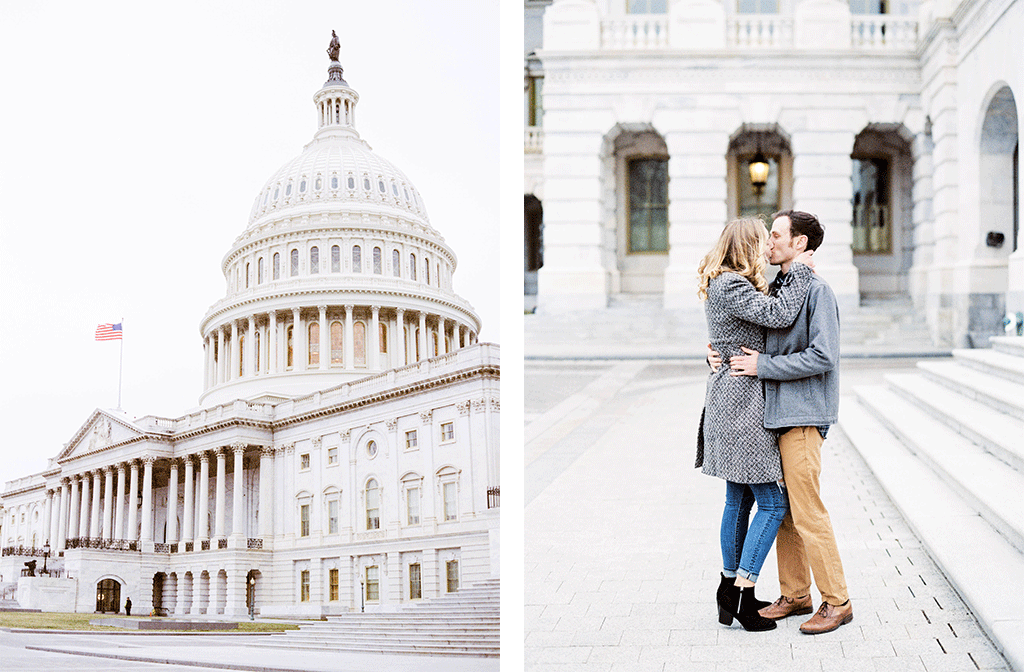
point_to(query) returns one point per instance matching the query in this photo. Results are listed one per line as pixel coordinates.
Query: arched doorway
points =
(158, 594)
(747, 198)
(108, 596)
(251, 583)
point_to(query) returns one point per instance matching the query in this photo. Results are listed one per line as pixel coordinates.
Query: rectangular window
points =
(646, 6)
(869, 7)
(372, 583)
(332, 516)
(335, 259)
(415, 585)
(648, 205)
(757, 6)
(410, 439)
(332, 456)
(304, 461)
(333, 585)
(452, 570)
(451, 505)
(872, 228)
(304, 586)
(304, 520)
(447, 431)
(412, 505)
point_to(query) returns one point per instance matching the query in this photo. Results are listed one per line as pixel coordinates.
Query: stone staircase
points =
(457, 624)
(947, 443)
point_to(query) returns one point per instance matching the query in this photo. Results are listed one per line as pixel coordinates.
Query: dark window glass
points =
(648, 205)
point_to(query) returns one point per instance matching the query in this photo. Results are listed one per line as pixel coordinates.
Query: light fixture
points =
(758, 172)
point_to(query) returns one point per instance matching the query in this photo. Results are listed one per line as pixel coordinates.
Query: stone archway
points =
(108, 596)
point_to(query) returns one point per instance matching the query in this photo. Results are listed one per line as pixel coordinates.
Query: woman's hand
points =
(806, 258)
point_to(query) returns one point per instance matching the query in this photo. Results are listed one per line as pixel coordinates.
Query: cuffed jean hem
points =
(749, 576)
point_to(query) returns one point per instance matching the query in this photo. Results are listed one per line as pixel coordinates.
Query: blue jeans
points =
(744, 550)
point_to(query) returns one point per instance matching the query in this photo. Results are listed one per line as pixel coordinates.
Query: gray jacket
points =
(800, 363)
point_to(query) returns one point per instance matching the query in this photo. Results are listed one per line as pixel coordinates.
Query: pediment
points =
(101, 430)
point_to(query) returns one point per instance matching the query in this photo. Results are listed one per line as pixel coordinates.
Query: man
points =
(801, 378)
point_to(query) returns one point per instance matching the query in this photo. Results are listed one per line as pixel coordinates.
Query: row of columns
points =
(73, 511)
(225, 361)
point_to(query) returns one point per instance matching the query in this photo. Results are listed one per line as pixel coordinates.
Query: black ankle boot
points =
(744, 609)
(727, 583)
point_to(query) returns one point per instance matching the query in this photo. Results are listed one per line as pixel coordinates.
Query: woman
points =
(737, 447)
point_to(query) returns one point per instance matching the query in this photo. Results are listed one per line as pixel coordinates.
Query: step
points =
(949, 528)
(987, 484)
(1012, 345)
(994, 362)
(997, 432)
(994, 391)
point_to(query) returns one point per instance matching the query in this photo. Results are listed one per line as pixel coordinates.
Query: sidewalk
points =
(622, 556)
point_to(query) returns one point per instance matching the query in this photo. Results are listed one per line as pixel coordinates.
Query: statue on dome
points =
(335, 47)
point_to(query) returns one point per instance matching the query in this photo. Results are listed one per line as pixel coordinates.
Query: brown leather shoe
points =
(786, 606)
(828, 618)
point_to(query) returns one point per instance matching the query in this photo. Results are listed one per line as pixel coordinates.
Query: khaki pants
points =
(806, 542)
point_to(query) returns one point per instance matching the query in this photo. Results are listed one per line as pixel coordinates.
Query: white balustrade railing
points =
(883, 32)
(641, 31)
(534, 141)
(760, 30)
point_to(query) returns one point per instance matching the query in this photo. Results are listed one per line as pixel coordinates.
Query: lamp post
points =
(252, 597)
(362, 596)
(46, 555)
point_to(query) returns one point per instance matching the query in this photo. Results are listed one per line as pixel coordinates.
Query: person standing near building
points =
(800, 370)
(128, 606)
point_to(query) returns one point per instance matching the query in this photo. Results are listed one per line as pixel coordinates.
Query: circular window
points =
(371, 448)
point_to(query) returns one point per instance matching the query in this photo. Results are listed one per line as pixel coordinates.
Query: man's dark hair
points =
(803, 224)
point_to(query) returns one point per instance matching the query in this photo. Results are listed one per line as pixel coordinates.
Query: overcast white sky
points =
(133, 140)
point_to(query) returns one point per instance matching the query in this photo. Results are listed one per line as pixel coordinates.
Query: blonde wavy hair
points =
(740, 249)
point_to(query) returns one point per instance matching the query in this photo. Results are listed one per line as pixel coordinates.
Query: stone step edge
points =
(964, 416)
(982, 582)
(391, 648)
(992, 362)
(996, 392)
(908, 423)
(1013, 345)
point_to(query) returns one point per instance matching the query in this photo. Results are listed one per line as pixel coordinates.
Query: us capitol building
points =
(345, 454)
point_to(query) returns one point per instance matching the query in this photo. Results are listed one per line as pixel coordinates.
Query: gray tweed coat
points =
(737, 447)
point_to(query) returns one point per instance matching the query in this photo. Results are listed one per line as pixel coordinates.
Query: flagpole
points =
(120, 366)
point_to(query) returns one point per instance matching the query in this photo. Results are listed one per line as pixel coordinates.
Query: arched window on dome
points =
(295, 263)
(396, 263)
(359, 343)
(337, 343)
(259, 271)
(357, 259)
(302, 186)
(426, 270)
(314, 343)
(433, 343)
(377, 262)
(277, 265)
(335, 259)
(381, 187)
(288, 189)
(366, 183)
(241, 355)
(412, 266)
(247, 275)
(351, 182)
(314, 260)
(289, 346)
(394, 189)
(256, 344)
(318, 185)
(437, 276)
(382, 331)
(334, 181)
(372, 505)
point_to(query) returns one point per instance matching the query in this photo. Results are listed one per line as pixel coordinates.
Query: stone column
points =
(49, 519)
(325, 348)
(439, 334)
(202, 525)
(119, 504)
(250, 359)
(300, 356)
(172, 504)
(108, 503)
(237, 485)
(210, 380)
(272, 366)
(403, 355)
(147, 498)
(234, 600)
(132, 533)
(236, 352)
(72, 526)
(266, 510)
(62, 520)
(186, 518)
(349, 345)
(94, 512)
(422, 340)
(219, 359)
(83, 518)
(221, 493)
(373, 339)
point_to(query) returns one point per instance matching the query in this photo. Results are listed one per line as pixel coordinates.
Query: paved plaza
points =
(42, 651)
(622, 557)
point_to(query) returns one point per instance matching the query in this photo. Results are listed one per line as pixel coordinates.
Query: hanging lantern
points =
(759, 172)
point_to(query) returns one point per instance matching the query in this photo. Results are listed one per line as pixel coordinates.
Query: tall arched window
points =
(377, 262)
(290, 357)
(247, 275)
(241, 354)
(412, 266)
(314, 343)
(359, 343)
(426, 271)
(337, 343)
(314, 259)
(396, 263)
(335, 259)
(357, 259)
(437, 276)
(256, 344)
(372, 505)
(259, 271)
(433, 343)
(383, 331)
(277, 265)
(416, 340)
(295, 263)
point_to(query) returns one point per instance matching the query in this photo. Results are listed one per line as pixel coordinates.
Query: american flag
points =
(108, 332)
